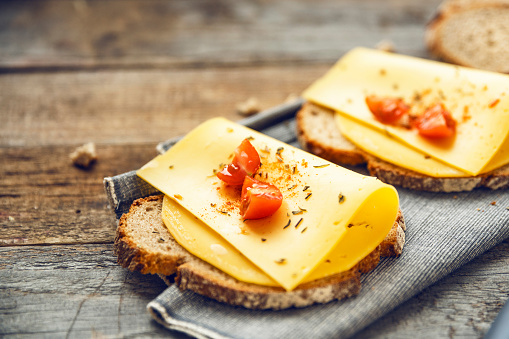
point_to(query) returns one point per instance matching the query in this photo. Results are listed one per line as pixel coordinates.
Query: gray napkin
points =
(444, 231)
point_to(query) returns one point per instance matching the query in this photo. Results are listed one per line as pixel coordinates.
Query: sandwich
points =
(416, 123)
(250, 221)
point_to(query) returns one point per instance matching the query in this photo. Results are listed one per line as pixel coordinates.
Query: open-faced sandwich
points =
(417, 123)
(248, 220)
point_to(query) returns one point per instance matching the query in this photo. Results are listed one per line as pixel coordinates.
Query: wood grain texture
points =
(44, 199)
(112, 107)
(74, 292)
(155, 33)
(80, 292)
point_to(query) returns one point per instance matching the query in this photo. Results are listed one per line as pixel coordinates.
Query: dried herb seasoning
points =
(299, 222)
(341, 198)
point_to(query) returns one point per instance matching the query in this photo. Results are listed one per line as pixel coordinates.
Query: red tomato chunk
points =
(245, 162)
(436, 122)
(387, 110)
(259, 199)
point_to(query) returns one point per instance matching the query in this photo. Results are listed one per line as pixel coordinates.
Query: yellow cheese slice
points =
(390, 150)
(478, 100)
(200, 240)
(311, 188)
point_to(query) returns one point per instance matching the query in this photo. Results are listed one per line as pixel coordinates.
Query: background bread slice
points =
(143, 244)
(473, 33)
(311, 119)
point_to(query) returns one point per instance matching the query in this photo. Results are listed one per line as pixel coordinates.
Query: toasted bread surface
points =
(144, 244)
(310, 116)
(472, 33)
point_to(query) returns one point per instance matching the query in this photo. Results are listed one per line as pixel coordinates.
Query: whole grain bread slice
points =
(144, 244)
(472, 33)
(319, 134)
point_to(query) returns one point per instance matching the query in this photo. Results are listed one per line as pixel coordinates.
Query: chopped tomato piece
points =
(247, 158)
(387, 110)
(245, 162)
(232, 174)
(259, 199)
(436, 122)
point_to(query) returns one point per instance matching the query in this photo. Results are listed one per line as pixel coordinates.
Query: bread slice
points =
(472, 33)
(144, 244)
(318, 133)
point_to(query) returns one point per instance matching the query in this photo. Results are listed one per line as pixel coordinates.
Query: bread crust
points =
(483, 53)
(307, 117)
(144, 244)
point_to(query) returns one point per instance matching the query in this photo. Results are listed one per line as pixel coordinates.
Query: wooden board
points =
(112, 107)
(79, 291)
(47, 200)
(154, 34)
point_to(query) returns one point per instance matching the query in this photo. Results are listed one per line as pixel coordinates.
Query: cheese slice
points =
(393, 151)
(311, 189)
(478, 100)
(200, 240)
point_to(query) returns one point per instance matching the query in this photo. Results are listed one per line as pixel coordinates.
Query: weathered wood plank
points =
(74, 292)
(44, 199)
(79, 292)
(77, 34)
(112, 107)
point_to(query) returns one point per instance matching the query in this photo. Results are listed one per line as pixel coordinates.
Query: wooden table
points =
(129, 74)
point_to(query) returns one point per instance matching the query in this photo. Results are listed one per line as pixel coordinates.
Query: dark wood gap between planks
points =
(141, 66)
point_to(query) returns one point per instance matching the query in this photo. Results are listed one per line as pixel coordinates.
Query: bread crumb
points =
(291, 97)
(386, 46)
(493, 203)
(249, 107)
(84, 156)
(11, 218)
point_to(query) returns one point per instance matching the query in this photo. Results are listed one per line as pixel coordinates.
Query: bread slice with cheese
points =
(144, 244)
(318, 133)
(473, 33)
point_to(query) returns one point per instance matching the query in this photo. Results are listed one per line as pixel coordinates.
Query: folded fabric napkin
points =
(444, 231)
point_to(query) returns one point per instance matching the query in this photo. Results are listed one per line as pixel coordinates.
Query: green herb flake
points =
(287, 224)
(341, 198)
(298, 222)
(300, 211)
